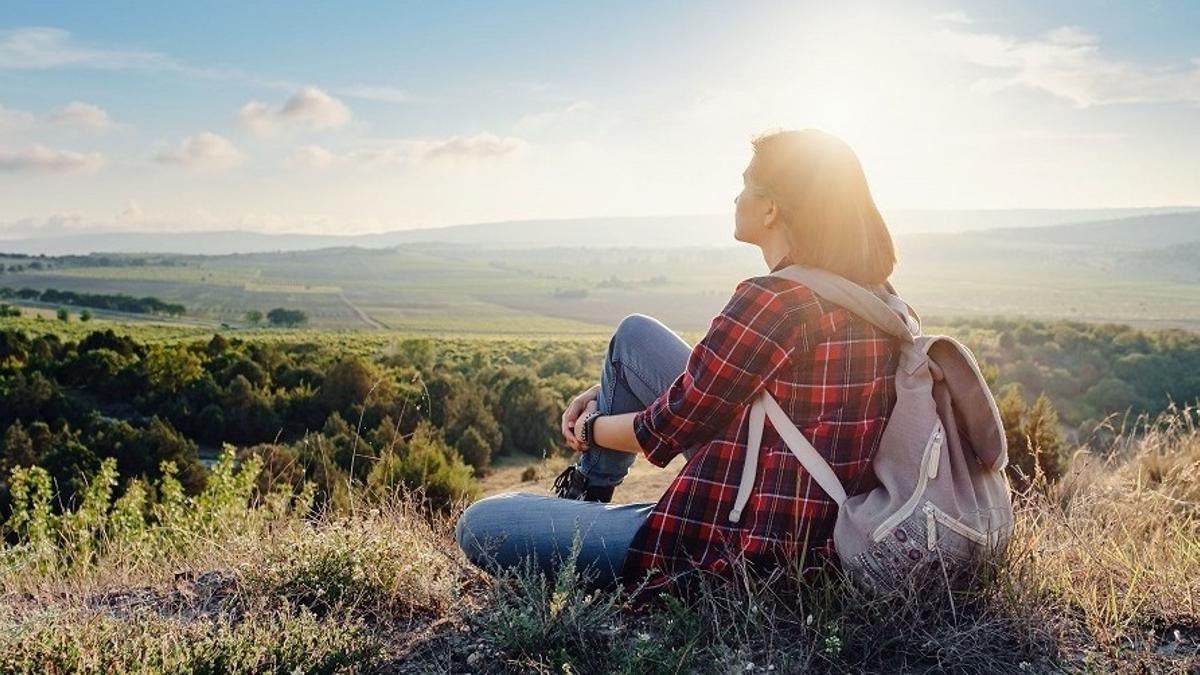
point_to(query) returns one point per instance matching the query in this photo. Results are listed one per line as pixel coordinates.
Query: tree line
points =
(119, 302)
(1089, 371)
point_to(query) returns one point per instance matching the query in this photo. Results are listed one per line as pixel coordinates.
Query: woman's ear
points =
(771, 217)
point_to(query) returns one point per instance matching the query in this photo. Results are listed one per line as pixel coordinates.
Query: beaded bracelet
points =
(586, 427)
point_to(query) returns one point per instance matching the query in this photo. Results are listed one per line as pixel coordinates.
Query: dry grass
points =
(1103, 575)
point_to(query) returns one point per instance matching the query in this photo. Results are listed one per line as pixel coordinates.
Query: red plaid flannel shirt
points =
(832, 372)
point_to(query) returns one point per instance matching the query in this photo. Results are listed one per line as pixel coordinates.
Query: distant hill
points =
(1180, 263)
(1149, 231)
(647, 231)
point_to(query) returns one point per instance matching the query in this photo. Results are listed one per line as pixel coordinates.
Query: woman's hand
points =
(574, 411)
(578, 445)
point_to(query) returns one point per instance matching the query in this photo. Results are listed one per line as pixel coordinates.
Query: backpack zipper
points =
(937, 454)
(945, 519)
(932, 445)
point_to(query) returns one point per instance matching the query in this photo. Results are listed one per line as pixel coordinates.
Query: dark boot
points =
(572, 484)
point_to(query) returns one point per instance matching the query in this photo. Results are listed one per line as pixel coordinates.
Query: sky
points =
(366, 117)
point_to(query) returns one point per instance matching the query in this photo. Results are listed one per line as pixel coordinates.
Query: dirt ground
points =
(645, 482)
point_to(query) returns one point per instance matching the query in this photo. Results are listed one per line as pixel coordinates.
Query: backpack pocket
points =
(928, 470)
(937, 522)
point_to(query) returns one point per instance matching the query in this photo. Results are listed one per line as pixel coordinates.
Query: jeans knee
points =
(634, 328)
(460, 527)
(477, 523)
(465, 532)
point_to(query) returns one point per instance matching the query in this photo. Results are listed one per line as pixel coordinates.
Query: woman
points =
(804, 200)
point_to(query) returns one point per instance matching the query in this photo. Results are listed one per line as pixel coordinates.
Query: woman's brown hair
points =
(830, 219)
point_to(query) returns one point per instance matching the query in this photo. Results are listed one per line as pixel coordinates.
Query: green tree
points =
(287, 317)
(63, 314)
(169, 369)
(1035, 440)
(1046, 437)
(349, 382)
(85, 315)
(1012, 406)
(475, 450)
(528, 416)
(254, 317)
(18, 449)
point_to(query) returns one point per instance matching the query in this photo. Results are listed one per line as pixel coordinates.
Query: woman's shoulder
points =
(785, 294)
(809, 313)
(796, 292)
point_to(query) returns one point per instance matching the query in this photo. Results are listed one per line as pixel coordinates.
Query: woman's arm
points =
(616, 432)
(764, 323)
(747, 343)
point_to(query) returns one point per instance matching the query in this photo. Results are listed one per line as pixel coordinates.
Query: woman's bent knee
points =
(477, 524)
(637, 329)
(466, 530)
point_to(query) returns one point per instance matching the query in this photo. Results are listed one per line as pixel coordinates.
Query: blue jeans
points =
(644, 357)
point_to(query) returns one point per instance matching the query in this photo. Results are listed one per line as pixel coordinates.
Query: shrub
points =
(561, 619)
(427, 464)
(475, 450)
(266, 640)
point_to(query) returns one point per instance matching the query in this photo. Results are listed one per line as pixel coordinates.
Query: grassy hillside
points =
(1100, 577)
(322, 542)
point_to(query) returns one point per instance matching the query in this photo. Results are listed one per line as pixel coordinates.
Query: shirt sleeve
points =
(746, 344)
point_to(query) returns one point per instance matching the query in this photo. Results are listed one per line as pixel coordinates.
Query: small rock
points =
(474, 659)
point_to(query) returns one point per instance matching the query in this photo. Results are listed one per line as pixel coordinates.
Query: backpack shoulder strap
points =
(766, 406)
(845, 293)
(884, 315)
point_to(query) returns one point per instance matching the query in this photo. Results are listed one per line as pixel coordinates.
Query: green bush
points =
(426, 463)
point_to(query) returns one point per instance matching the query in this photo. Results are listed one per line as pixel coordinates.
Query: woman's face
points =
(753, 209)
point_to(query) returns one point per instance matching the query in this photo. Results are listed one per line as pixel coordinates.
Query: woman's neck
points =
(774, 252)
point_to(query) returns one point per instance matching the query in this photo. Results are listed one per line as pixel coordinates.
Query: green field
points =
(437, 288)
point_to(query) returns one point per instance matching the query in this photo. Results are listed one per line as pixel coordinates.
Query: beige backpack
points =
(942, 504)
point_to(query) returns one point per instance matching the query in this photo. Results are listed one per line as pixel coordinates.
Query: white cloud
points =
(80, 115)
(39, 48)
(43, 48)
(314, 156)
(58, 223)
(1068, 62)
(39, 158)
(74, 115)
(204, 151)
(309, 107)
(385, 153)
(955, 16)
(376, 92)
(379, 154)
(15, 119)
(257, 117)
(558, 118)
(479, 146)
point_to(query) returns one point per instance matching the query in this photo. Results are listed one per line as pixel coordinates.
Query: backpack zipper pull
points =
(930, 528)
(937, 451)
